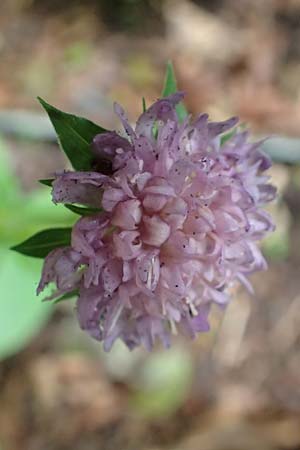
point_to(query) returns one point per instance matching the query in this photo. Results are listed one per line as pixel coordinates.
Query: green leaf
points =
(22, 315)
(155, 130)
(170, 87)
(40, 244)
(227, 136)
(144, 104)
(82, 211)
(170, 83)
(67, 296)
(165, 379)
(47, 181)
(75, 135)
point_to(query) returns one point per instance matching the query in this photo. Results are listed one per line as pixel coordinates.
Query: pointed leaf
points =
(47, 181)
(144, 104)
(226, 137)
(40, 244)
(75, 135)
(67, 296)
(170, 87)
(170, 83)
(82, 211)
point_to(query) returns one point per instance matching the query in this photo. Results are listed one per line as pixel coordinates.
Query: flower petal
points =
(111, 197)
(147, 271)
(163, 110)
(87, 234)
(79, 187)
(122, 116)
(215, 128)
(106, 145)
(60, 266)
(127, 244)
(154, 231)
(89, 310)
(127, 215)
(112, 275)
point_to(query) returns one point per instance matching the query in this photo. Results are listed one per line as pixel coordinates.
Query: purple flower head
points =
(182, 217)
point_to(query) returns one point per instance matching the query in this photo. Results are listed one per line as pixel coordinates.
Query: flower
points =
(180, 223)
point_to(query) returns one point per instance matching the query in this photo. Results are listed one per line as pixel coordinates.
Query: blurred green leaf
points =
(78, 54)
(75, 135)
(164, 381)
(82, 211)
(170, 87)
(34, 210)
(276, 246)
(43, 242)
(21, 314)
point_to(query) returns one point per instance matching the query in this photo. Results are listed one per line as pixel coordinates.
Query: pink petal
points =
(106, 145)
(127, 244)
(215, 128)
(160, 186)
(48, 272)
(93, 271)
(175, 213)
(145, 151)
(163, 110)
(112, 275)
(128, 272)
(154, 203)
(60, 266)
(200, 221)
(142, 180)
(154, 231)
(88, 311)
(122, 116)
(111, 197)
(259, 223)
(200, 322)
(147, 271)
(86, 231)
(127, 215)
(79, 187)
(171, 277)
(179, 173)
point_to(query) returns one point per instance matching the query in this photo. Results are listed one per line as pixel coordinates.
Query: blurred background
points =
(235, 388)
